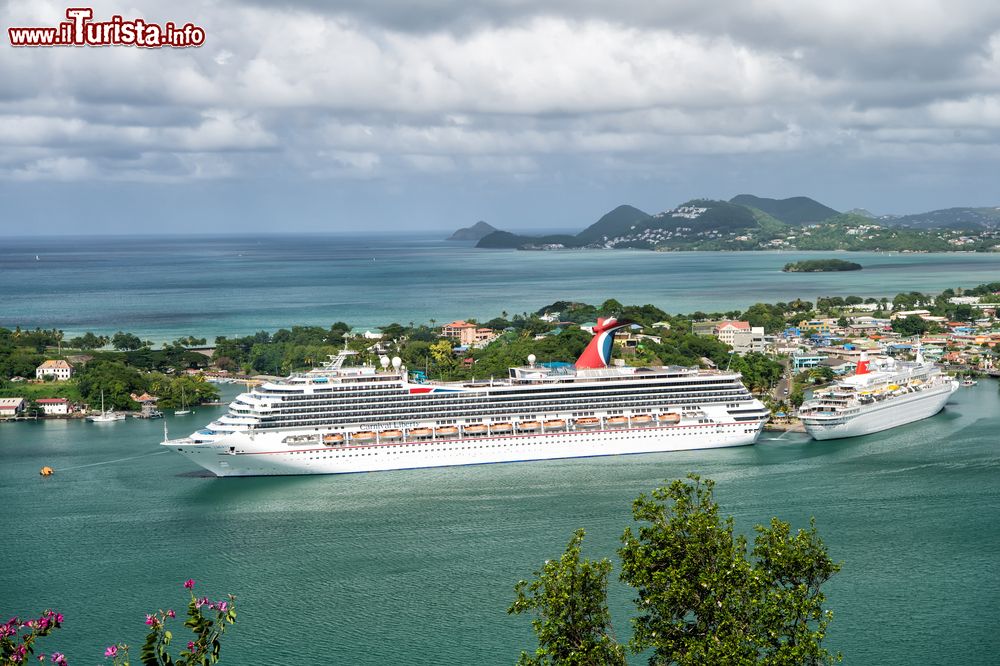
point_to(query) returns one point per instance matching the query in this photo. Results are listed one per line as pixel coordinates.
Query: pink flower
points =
(59, 618)
(190, 645)
(150, 620)
(223, 606)
(43, 623)
(189, 584)
(58, 659)
(170, 613)
(111, 651)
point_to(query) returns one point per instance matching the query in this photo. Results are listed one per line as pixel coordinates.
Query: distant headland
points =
(748, 222)
(821, 266)
(476, 232)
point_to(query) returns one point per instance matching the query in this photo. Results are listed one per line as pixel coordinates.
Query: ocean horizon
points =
(167, 286)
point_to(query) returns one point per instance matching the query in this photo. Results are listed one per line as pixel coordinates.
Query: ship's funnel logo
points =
(862, 367)
(598, 352)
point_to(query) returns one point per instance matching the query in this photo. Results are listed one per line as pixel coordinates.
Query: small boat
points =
(501, 427)
(474, 430)
(333, 438)
(388, 435)
(969, 382)
(105, 416)
(588, 422)
(183, 410)
(555, 424)
(362, 436)
(669, 417)
(419, 432)
(617, 422)
(641, 419)
(528, 426)
(46, 471)
(446, 431)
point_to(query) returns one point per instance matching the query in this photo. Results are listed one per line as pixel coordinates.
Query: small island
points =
(821, 266)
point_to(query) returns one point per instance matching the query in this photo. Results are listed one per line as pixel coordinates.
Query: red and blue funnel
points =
(598, 352)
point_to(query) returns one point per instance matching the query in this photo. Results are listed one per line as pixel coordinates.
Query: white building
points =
(742, 337)
(54, 406)
(11, 407)
(59, 369)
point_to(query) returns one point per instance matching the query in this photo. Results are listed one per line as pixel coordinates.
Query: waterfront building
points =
(10, 407)
(58, 369)
(54, 406)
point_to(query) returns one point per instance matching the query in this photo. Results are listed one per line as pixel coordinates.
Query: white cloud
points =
(351, 90)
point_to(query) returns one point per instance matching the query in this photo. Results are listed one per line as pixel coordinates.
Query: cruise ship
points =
(877, 397)
(337, 419)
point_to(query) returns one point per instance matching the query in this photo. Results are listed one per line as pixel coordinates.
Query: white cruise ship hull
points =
(240, 454)
(882, 415)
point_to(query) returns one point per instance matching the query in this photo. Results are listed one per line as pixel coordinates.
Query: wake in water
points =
(108, 462)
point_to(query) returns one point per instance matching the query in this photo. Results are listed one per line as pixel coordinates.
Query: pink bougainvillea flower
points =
(190, 645)
(189, 584)
(170, 613)
(111, 651)
(223, 606)
(59, 618)
(150, 620)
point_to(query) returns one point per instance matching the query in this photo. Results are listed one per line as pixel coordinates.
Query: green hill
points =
(615, 223)
(952, 218)
(794, 210)
(476, 232)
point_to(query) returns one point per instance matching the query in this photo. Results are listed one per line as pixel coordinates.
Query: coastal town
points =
(782, 349)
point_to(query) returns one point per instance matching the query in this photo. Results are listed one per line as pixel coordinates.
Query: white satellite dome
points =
(396, 362)
(531, 359)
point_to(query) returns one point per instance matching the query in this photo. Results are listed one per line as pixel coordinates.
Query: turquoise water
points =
(163, 288)
(417, 567)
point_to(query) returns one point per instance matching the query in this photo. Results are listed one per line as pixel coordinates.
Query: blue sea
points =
(165, 287)
(417, 567)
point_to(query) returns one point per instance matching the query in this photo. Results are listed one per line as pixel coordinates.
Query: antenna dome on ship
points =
(384, 361)
(531, 360)
(396, 362)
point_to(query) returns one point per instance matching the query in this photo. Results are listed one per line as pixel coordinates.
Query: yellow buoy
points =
(46, 471)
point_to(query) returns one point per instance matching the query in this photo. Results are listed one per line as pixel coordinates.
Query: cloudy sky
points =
(417, 114)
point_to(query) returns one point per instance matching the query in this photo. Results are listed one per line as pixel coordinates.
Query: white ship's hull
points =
(240, 454)
(882, 415)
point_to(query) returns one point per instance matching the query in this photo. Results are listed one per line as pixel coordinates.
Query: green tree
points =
(702, 600)
(125, 341)
(573, 624)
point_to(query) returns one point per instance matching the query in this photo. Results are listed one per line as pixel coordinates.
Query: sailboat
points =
(105, 417)
(183, 410)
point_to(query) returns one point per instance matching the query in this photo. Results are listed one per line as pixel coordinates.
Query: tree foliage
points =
(701, 597)
(573, 624)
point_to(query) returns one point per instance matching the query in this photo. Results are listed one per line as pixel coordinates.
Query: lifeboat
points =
(446, 431)
(362, 436)
(501, 427)
(528, 426)
(641, 419)
(419, 432)
(388, 435)
(669, 417)
(617, 422)
(588, 422)
(474, 430)
(555, 424)
(333, 438)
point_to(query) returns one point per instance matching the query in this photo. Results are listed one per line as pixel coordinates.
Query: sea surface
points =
(418, 567)
(162, 288)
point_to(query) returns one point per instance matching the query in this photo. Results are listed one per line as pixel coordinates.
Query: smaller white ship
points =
(877, 397)
(969, 382)
(105, 416)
